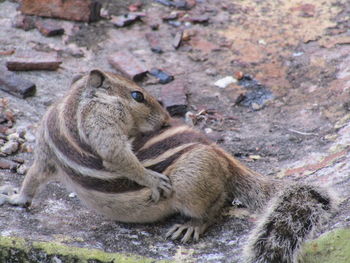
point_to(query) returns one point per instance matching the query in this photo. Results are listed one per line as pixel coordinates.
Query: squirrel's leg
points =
(42, 170)
(199, 182)
(196, 226)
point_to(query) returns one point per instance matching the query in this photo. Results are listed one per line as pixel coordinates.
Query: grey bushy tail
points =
(291, 218)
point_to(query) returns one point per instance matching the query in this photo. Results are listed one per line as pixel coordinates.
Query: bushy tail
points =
(291, 218)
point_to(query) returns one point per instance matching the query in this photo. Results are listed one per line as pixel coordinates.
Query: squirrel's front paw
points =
(160, 184)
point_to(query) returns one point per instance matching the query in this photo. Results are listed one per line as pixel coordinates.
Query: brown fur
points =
(118, 154)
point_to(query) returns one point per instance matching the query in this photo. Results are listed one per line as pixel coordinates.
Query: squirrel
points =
(118, 149)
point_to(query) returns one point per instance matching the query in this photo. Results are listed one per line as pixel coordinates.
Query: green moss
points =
(18, 250)
(333, 247)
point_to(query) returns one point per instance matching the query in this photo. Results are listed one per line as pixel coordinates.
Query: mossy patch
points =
(19, 250)
(333, 247)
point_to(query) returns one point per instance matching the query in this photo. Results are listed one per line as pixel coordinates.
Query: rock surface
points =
(298, 51)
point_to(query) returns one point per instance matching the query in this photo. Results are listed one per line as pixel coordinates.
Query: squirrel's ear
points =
(96, 79)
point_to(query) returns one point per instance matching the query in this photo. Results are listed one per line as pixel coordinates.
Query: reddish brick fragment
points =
(24, 22)
(7, 52)
(49, 29)
(200, 19)
(34, 61)
(153, 40)
(15, 85)
(173, 97)
(128, 65)
(177, 39)
(135, 7)
(77, 10)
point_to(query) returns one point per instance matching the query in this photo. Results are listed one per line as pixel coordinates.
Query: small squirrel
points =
(118, 149)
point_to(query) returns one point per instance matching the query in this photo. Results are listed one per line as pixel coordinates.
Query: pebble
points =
(72, 195)
(161, 75)
(22, 169)
(9, 147)
(7, 164)
(224, 82)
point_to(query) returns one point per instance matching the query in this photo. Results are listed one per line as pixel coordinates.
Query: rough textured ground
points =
(299, 51)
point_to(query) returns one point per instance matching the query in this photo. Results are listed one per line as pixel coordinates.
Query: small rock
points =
(34, 61)
(22, 169)
(9, 147)
(196, 19)
(211, 72)
(49, 28)
(7, 164)
(174, 99)
(7, 52)
(208, 130)
(76, 10)
(255, 106)
(154, 26)
(161, 75)
(239, 75)
(128, 65)
(104, 13)
(224, 82)
(72, 195)
(18, 160)
(135, 7)
(127, 19)
(153, 40)
(172, 16)
(174, 23)
(24, 22)
(177, 39)
(15, 85)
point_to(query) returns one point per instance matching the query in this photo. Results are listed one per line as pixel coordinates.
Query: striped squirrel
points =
(118, 149)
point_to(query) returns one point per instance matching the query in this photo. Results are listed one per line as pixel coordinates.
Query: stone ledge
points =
(13, 249)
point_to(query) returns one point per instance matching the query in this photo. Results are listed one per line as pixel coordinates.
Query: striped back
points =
(158, 150)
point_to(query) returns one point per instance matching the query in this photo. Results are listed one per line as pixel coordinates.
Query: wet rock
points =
(224, 82)
(173, 97)
(7, 164)
(153, 40)
(128, 64)
(177, 39)
(77, 10)
(161, 75)
(24, 22)
(49, 28)
(34, 61)
(256, 96)
(16, 85)
(127, 19)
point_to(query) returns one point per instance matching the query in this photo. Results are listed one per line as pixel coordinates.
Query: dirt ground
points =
(287, 118)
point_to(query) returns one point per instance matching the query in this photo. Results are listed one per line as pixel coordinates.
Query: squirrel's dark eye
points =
(138, 96)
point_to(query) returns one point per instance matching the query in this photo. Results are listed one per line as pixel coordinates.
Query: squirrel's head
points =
(146, 113)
